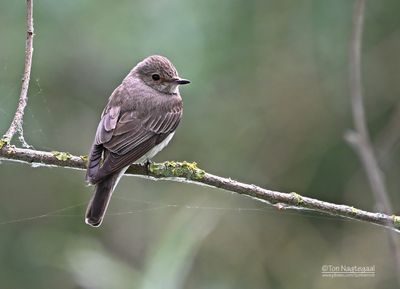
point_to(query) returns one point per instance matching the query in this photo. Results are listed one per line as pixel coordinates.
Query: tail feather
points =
(98, 204)
(102, 194)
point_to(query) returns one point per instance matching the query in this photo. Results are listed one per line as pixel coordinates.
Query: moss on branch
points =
(171, 169)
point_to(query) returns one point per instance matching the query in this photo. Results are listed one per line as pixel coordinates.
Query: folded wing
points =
(125, 137)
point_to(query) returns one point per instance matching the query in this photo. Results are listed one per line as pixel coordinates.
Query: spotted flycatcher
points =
(139, 120)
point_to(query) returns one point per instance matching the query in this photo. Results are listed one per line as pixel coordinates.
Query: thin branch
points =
(190, 173)
(360, 139)
(16, 124)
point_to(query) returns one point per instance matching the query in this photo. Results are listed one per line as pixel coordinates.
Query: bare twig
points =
(16, 124)
(189, 172)
(359, 138)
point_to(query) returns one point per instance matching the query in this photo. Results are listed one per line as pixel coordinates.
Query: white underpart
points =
(147, 156)
(155, 150)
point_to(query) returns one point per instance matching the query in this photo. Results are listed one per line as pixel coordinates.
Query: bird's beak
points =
(181, 81)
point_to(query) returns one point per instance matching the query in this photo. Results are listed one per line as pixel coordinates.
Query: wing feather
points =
(127, 136)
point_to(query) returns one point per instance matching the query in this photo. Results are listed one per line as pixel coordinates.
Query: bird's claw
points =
(148, 163)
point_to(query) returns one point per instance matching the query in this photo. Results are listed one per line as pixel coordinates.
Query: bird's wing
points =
(127, 136)
(104, 133)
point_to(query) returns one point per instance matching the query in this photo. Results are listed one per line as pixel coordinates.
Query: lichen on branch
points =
(191, 173)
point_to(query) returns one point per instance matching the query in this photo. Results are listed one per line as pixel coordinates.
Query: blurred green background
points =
(268, 104)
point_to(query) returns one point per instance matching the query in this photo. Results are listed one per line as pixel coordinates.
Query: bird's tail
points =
(102, 194)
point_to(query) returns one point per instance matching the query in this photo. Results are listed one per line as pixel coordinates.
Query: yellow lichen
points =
(85, 158)
(298, 198)
(61, 156)
(171, 169)
(3, 142)
(354, 211)
(396, 221)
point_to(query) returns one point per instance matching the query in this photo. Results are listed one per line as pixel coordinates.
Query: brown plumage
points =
(138, 121)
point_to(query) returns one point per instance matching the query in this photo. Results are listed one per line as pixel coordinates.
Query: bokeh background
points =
(268, 104)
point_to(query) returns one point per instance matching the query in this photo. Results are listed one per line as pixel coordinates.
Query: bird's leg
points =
(148, 163)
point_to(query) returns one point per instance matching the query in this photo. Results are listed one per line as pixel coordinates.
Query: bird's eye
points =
(155, 76)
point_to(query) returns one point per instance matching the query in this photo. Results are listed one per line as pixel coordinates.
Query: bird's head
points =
(160, 74)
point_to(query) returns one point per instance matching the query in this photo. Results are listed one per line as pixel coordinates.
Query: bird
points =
(139, 120)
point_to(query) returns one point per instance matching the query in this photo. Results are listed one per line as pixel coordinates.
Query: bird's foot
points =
(148, 163)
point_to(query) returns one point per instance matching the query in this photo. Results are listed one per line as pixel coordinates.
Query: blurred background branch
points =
(359, 138)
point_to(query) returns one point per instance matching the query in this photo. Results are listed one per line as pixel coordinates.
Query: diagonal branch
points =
(359, 138)
(190, 173)
(16, 124)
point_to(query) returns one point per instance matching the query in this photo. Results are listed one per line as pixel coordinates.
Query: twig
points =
(16, 124)
(360, 139)
(189, 172)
